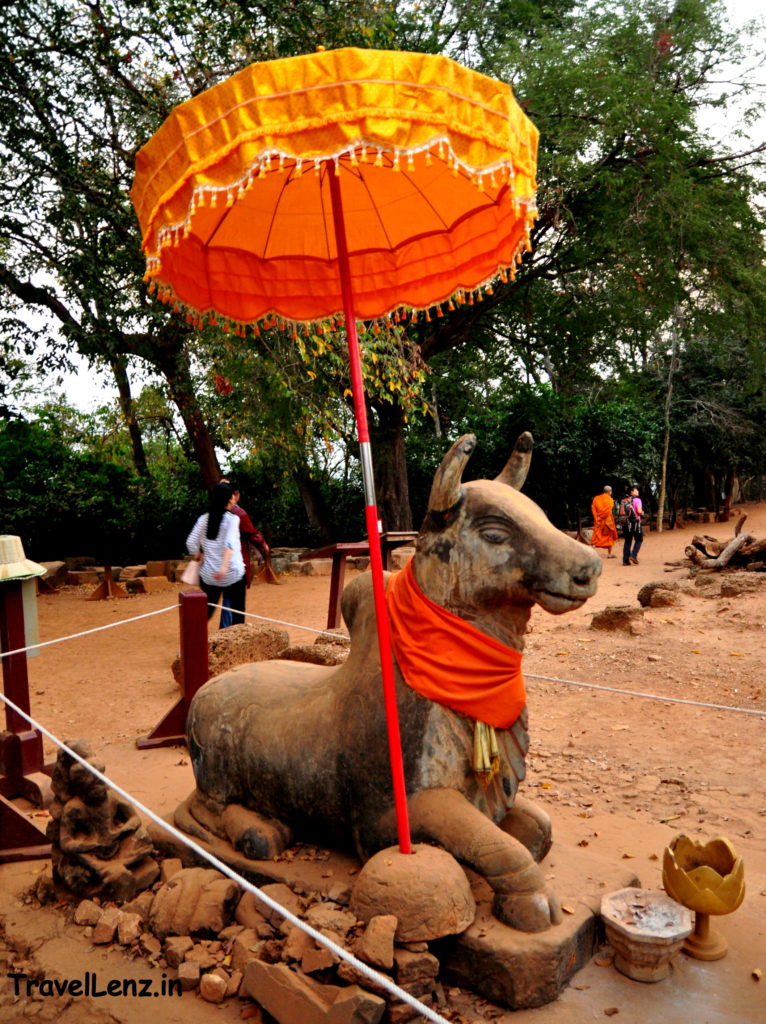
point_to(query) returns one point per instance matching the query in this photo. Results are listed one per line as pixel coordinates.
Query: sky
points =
(89, 388)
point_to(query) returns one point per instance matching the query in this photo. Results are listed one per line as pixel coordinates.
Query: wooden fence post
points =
(171, 730)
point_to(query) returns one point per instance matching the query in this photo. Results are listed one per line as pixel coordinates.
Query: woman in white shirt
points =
(214, 540)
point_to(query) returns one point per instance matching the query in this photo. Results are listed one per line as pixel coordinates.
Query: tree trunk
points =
(314, 503)
(119, 370)
(666, 437)
(390, 466)
(722, 560)
(711, 492)
(728, 491)
(174, 366)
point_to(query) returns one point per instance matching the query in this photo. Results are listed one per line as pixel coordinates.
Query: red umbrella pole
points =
(372, 522)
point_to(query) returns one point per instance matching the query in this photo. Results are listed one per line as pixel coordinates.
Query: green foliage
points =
(644, 222)
(68, 487)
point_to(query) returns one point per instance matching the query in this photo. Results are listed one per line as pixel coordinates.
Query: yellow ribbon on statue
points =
(486, 754)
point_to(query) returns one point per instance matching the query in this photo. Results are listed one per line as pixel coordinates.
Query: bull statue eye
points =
(494, 536)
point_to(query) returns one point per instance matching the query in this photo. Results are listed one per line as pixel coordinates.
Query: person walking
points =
(631, 516)
(604, 528)
(214, 541)
(248, 535)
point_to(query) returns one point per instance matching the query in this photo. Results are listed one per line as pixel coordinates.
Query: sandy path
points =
(619, 773)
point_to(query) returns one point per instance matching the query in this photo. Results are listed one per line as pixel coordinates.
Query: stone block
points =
(228, 934)
(619, 618)
(294, 999)
(317, 958)
(298, 944)
(79, 562)
(200, 956)
(301, 569)
(376, 943)
(87, 912)
(212, 987)
(149, 945)
(285, 897)
(316, 653)
(399, 1012)
(340, 892)
(106, 926)
(132, 572)
(239, 645)
(249, 910)
(428, 893)
(326, 917)
(149, 585)
(158, 568)
(736, 583)
(319, 566)
(80, 578)
(176, 948)
(246, 947)
(411, 966)
(523, 970)
(233, 984)
(129, 928)
(659, 594)
(188, 975)
(55, 573)
(141, 905)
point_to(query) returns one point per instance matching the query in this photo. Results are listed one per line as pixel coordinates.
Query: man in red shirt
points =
(248, 535)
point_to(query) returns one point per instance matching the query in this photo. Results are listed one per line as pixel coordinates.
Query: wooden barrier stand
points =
(171, 730)
(23, 772)
(345, 549)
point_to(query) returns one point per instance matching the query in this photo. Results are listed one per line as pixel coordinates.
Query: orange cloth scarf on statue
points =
(450, 661)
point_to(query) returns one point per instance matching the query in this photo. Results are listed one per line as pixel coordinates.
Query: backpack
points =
(627, 514)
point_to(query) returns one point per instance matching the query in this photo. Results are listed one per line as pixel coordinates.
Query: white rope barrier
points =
(86, 632)
(648, 696)
(279, 622)
(324, 632)
(379, 979)
(550, 679)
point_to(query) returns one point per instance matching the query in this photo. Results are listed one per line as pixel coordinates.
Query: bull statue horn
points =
(516, 468)
(445, 490)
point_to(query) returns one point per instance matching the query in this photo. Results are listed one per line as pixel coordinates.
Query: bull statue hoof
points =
(283, 749)
(528, 912)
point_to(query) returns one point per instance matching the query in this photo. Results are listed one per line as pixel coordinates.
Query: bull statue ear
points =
(445, 490)
(516, 468)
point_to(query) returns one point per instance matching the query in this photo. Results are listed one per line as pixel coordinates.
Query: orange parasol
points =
(350, 182)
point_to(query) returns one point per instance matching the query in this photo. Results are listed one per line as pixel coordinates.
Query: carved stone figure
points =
(285, 749)
(99, 846)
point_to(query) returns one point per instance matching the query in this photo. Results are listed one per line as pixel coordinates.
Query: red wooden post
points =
(21, 747)
(107, 588)
(171, 730)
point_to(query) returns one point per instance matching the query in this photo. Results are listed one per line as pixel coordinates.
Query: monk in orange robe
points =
(604, 529)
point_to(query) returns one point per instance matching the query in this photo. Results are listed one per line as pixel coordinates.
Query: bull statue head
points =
(488, 553)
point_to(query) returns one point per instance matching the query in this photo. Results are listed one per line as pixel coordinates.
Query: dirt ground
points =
(620, 774)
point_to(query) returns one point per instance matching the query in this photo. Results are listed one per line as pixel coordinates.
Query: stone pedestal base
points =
(522, 970)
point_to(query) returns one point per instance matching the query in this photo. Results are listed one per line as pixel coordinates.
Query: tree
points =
(639, 213)
(84, 85)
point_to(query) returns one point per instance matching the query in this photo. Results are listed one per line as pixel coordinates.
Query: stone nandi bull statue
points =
(285, 748)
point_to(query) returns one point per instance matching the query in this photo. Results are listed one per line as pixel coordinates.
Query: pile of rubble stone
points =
(201, 929)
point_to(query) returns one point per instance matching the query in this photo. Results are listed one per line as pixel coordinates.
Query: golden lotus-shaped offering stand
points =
(708, 878)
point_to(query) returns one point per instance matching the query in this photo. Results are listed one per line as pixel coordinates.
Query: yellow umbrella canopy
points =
(436, 167)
